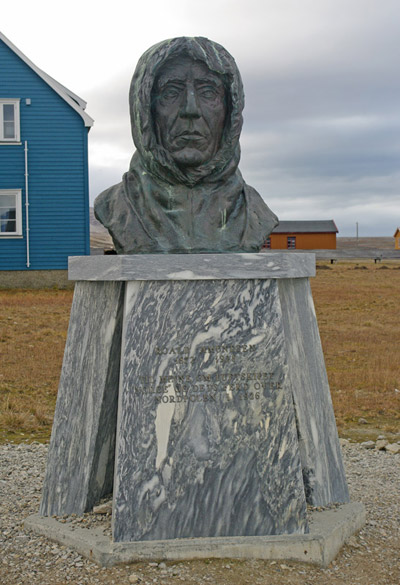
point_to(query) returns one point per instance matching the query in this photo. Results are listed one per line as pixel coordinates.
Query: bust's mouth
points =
(191, 135)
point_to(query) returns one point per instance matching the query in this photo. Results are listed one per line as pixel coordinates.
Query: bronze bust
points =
(183, 192)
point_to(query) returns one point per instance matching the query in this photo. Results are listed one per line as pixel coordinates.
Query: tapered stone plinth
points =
(225, 425)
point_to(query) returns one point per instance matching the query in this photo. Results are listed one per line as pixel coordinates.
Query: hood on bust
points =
(155, 158)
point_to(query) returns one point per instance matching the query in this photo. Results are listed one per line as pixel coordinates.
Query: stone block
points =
(80, 464)
(323, 472)
(329, 530)
(191, 266)
(225, 425)
(206, 440)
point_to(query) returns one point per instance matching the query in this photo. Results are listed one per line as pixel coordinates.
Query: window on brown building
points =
(291, 242)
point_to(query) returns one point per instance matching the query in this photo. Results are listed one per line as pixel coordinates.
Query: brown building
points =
(303, 235)
(397, 239)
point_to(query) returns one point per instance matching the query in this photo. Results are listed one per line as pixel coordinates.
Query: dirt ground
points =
(371, 557)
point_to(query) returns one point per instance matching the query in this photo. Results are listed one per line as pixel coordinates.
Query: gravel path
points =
(370, 558)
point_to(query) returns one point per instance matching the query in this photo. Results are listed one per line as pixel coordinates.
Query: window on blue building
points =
(10, 213)
(9, 120)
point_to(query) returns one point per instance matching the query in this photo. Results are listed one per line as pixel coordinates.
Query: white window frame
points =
(11, 102)
(18, 212)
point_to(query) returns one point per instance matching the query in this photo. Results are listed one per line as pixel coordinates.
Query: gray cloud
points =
(322, 116)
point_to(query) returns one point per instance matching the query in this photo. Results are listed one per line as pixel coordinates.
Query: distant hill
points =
(99, 236)
(373, 243)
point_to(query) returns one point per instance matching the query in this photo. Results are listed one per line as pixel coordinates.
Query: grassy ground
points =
(359, 319)
(33, 330)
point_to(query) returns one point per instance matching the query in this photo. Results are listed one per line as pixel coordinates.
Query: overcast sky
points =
(321, 136)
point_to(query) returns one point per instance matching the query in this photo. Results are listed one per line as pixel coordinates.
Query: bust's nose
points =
(190, 107)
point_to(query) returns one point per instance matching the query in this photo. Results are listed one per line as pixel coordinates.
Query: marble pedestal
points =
(225, 425)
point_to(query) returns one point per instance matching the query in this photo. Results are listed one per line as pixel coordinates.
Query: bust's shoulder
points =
(105, 203)
(260, 219)
(258, 210)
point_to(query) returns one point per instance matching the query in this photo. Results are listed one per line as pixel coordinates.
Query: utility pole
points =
(357, 231)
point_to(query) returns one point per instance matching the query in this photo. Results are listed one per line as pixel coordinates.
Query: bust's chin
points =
(190, 157)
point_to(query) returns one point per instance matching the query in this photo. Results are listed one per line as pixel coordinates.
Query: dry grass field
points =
(358, 313)
(33, 330)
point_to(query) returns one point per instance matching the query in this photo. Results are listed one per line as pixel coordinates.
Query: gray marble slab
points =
(324, 476)
(81, 455)
(225, 424)
(191, 266)
(206, 441)
(329, 530)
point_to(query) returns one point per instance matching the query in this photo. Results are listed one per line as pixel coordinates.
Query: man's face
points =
(189, 108)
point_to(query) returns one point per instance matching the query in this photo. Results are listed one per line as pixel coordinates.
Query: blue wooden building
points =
(44, 198)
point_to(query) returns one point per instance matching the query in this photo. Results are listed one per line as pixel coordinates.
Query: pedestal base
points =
(225, 424)
(329, 531)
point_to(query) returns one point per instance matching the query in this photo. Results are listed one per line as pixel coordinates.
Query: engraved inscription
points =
(190, 386)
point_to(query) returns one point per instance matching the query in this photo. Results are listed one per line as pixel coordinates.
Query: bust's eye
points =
(208, 92)
(170, 93)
